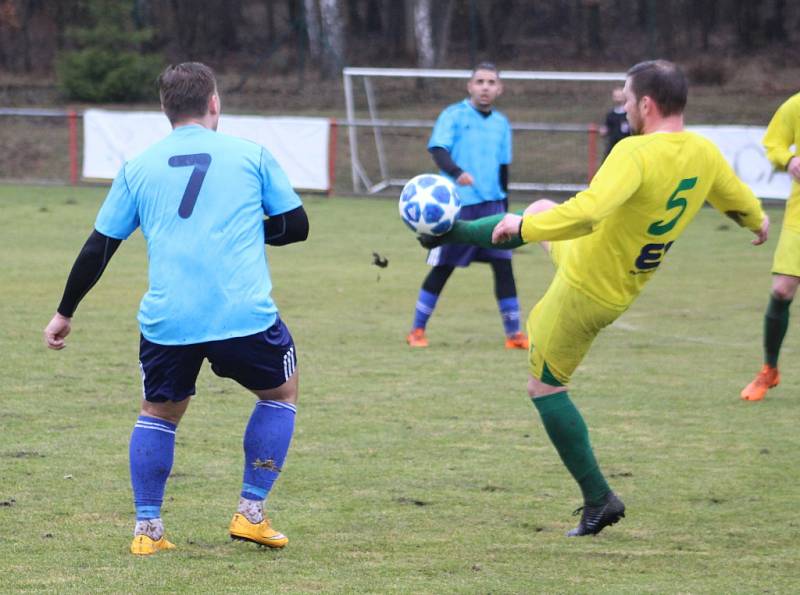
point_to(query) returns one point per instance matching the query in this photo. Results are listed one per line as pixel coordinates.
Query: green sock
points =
(569, 435)
(776, 321)
(479, 233)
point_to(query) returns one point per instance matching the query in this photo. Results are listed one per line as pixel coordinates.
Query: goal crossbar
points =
(521, 75)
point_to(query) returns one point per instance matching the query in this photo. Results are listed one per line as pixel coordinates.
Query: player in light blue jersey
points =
(200, 198)
(471, 145)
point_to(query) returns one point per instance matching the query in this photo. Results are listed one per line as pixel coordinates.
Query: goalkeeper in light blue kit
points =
(471, 145)
(200, 198)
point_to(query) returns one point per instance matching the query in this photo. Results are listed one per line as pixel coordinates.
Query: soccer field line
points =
(632, 328)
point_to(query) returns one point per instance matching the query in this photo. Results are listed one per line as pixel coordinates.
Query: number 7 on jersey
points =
(200, 162)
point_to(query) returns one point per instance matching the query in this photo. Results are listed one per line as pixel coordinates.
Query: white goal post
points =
(363, 182)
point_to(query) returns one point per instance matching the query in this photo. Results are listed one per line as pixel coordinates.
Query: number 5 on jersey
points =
(651, 254)
(673, 202)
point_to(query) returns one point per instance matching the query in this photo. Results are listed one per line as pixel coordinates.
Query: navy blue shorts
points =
(260, 361)
(461, 255)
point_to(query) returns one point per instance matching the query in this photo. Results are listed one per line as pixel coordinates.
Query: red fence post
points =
(72, 118)
(592, 168)
(332, 145)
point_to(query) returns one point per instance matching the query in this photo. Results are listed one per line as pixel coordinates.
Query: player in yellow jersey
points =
(783, 132)
(618, 231)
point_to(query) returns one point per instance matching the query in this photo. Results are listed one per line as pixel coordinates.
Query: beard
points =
(635, 123)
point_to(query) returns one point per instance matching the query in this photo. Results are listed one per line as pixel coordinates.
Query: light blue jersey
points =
(200, 197)
(477, 144)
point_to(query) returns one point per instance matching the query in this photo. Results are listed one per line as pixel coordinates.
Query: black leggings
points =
(504, 285)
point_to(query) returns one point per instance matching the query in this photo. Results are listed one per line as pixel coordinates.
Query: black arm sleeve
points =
(86, 271)
(504, 177)
(286, 228)
(443, 160)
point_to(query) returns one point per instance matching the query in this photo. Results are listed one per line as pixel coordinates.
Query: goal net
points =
(555, 118)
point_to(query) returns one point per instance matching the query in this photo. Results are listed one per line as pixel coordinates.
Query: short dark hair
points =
(662, 81)
(185, 90)
(490, 66)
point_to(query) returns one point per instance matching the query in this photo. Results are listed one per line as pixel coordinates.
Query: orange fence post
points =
(592, 168)
(72, 118)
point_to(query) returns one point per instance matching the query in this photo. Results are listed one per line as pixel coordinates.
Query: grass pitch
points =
(421, 471)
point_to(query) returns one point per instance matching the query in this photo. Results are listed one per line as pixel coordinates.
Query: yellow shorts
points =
(786, 260)
(561, 328)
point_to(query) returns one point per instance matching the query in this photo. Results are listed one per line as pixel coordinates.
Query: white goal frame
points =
(362, 183)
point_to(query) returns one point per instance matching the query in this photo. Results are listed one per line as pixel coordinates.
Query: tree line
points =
(321, 36)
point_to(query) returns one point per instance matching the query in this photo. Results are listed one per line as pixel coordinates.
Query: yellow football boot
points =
(144, 546)
(260, 533)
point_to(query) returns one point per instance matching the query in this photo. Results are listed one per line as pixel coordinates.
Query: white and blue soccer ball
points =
(429, 204)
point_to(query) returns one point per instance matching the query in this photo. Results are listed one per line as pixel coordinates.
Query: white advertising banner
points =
(300, 145)
(741, 146)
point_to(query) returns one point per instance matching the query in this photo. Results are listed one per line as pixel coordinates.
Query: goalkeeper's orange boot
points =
(766, 379)
(517, 341)
(144, 545)
(417, 338)
(260, 533)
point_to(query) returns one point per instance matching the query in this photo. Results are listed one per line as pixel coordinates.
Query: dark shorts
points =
(461, 255)
(260, 361)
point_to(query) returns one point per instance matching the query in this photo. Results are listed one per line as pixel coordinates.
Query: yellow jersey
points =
(783, 132)
(645, 194)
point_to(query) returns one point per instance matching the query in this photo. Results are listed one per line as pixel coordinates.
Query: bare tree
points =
(578, 26)
(224, 23)
(27, 10)
(394, 18)
(775, 25)
(186, 33)
(373, 18)
(594, 24)
(392, 32)
(706, 13)
(355, 22)
(409, 40)
(487, 28)
(444, 31)
(423, 33)
(666, 29)
(270, 8)
(333, 29)
(313, 28)
(747, 23)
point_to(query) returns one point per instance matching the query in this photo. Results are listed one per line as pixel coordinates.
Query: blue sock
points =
(152, 450)
(509, 311)
(266, 442)
(426, 302)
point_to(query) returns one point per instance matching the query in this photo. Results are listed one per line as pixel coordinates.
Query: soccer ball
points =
(429, 204)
